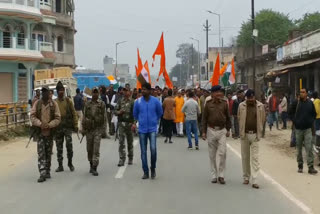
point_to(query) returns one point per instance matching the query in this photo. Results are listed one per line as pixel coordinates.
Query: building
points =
(122, 74)
(34, 34)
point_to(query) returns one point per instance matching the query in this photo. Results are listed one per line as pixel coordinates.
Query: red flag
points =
(161, 52)
(216, 72)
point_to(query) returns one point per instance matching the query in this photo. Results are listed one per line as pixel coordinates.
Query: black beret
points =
(249, 93)
(45, 88)
(216, 88)
(59, 86)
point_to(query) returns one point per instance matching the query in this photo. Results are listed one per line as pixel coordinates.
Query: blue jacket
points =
(148, 113)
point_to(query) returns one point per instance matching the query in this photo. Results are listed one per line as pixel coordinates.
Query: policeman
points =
(216, 125)
(93, 125)
(45, 116)
(124, 111)
(69, 123)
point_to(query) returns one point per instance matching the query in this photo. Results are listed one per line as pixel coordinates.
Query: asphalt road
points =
(182, 186)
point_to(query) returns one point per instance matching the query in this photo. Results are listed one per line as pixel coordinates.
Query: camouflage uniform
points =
(125, 123)
(93, 124)
(69, 122)
(49, 114)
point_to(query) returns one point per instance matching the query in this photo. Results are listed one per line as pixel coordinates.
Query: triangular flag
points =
(216, 72)
(232, 78)
(223, 69)
(138, 69)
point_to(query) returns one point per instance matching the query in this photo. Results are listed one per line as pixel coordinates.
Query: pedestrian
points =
(266, 109)
(304, 117)
(251, 116)
(36, 97)
(316, 103)
(191, 110)
(216, 125)
(93, 124)
(124, 111)
(284, 111)
(45, 116)
(78, 105)
(235, 106)
(105, 99)
(110, 94)
(115, 99)
(168, 116)
(68, 124)
(179, 100)
(147, 111)
(230, 103)
(273, 102)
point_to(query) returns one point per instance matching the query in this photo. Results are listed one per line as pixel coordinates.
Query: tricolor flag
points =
(112, 80)
(229, 77)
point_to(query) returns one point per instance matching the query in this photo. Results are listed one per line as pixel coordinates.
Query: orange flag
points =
(223, 69)
(161, 52)
(216, 72)
(138, 69)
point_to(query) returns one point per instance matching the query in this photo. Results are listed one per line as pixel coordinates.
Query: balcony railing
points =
(46, 46)
(29, 3)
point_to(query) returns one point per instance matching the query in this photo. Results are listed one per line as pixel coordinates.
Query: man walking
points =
(273, 102)
(168, 116)
(69, 123)
(216, 127)
(93, 124)
(78, 105)
(179, 115)
(124, 111)
(251, 116)
(284, 111)
(235, 106)
(147, 110)
(303, 120)
(45, 116)
(191, 110)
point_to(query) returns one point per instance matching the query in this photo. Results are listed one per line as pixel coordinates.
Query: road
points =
(182, 186)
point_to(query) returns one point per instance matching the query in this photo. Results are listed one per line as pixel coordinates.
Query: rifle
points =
(31, 136)
(82, 138)
(78, 136)
(117, 132)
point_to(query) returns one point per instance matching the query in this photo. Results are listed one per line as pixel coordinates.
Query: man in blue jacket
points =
(147, 111)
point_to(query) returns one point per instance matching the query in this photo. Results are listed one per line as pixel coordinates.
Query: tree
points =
(309, 22)
(188, 57)
(273, 29)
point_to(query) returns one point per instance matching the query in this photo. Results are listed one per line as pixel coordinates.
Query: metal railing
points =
(29, 3)
(13, 114)
(7, 42)
(46, 46)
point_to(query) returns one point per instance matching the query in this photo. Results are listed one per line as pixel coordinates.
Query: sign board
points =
(265, 49)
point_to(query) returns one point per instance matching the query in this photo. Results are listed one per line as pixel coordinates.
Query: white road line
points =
(122, 170)
(282, 189)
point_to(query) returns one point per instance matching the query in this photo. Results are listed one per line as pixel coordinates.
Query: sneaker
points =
(166, 140)
(145, 176)
(190, 148)
(171, 141)
(312, 171)
(197, 147)
(153, 174)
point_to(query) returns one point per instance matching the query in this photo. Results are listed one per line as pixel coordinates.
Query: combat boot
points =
(130, 162)
(41, 179)
(91, 168)
(60, 168)
(121, 163)
(47, 176)
(94, 171)
(70, 165)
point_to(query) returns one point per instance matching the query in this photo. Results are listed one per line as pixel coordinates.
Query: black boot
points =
(145, 176)
(91, 168)
(41, 179)
(153, 173)
(312, 171)
(47, 176)
(60, 168)
(94, 171)
(121, 163)
(70, 165)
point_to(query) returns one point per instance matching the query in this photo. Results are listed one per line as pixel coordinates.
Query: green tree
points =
(273, 29)
(309, 22)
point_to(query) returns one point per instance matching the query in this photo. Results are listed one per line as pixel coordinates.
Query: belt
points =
(216, 128)
(251, 132)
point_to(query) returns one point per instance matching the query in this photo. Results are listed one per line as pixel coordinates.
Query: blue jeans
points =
(153, 148)
(273, 117)
(284, 117)
(191, 126)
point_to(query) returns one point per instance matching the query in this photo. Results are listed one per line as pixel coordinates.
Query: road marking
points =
(122, 170)
(282, 189)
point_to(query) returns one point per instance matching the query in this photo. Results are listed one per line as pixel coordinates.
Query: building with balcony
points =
(34, 34)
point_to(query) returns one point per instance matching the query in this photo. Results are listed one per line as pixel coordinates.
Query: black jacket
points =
(303, 114)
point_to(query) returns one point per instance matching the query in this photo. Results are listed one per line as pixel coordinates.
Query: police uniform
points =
(125, 123)
(216, 123)
(93, 124)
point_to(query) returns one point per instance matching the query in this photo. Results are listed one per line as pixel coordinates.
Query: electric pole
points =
(192, 65)
(253, 46)
(207, 29)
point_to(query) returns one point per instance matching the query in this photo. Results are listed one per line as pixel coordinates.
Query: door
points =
(6, 81)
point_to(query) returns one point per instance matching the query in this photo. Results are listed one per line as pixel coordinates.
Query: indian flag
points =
(112, 80)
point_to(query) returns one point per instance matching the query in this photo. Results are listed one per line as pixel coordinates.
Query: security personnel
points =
(251, 114)
(216, 125)
(69, 123)
(93, 124)
(124, 111)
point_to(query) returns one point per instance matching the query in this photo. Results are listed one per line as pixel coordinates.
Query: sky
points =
(101, 24)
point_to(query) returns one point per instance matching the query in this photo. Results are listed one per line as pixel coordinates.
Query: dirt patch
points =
(12, 133)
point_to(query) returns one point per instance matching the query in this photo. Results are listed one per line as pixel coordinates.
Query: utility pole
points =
(253, 46)
(199, 66)
(207, 29)
(192, 65)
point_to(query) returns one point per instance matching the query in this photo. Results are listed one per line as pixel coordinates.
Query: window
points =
(58, 6)
(21, 36)
(45, 2)
(7, 37)
(211, 66)
(60, 43)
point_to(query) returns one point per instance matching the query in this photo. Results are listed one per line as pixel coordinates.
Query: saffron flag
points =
(163, 71)
(223, 69)
(216, 72)
(138, 69)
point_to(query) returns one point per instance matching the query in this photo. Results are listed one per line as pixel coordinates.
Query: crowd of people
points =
(213, 114)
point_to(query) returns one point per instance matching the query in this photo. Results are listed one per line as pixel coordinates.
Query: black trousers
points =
(168, 128)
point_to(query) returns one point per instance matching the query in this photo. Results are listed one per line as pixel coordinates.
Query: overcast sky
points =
(102, 23)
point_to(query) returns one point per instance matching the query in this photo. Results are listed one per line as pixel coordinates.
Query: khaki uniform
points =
(69, 122)
(216, 122)
(50, 115)
(250, 138)
(93, 124)
(125, 123)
